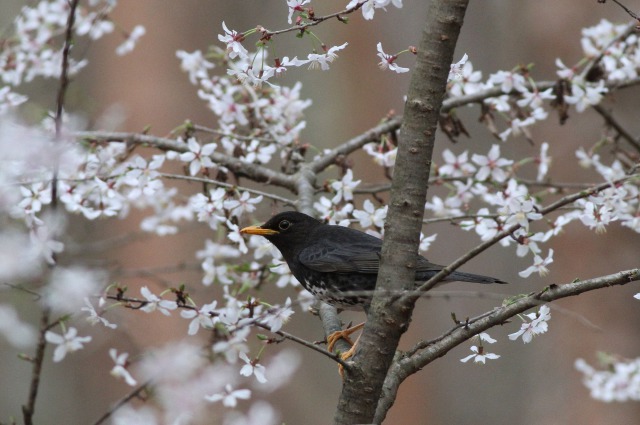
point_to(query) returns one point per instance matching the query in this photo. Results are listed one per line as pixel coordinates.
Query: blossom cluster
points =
(520, 102)
(617, 381)
(33, 50)
(536, 324)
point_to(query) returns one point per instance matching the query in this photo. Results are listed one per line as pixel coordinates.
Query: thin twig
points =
(285, 201)
(136, 303)
(626, 9)
(205, 129)
(135, 393)
(611, 121)
(316, 20)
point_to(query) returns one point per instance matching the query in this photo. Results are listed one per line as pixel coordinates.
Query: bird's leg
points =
(349, 353)
(335, 336)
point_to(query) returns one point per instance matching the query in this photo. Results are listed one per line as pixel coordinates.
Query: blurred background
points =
(532, 384)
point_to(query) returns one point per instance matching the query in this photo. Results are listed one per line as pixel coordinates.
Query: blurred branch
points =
(133, 394)
(28, 409)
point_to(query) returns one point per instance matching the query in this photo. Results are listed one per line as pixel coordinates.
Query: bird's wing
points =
(363, 257)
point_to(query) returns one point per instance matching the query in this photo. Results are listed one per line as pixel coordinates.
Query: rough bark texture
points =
(387, 321)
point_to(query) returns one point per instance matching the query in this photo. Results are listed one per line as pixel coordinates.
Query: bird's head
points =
(287, 230)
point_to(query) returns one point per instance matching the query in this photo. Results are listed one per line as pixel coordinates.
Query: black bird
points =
(338, 265)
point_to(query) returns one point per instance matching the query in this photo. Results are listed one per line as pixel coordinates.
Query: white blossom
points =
(67, 343)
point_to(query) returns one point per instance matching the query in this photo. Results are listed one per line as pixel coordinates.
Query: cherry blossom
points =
(156, 303)
(198, 156)
(233, 40)
(369, 7)
(537, 325)
(508, 81)
(252, 367)
(456, 165)
(464, 80)
(426, 241)
(130, 43)
(204, 317)
(455, 72)
(295, 6)
(585, 94)
(67, 343)
(597, 216)
(479, 355)
(539, 266)
(491, 166)
(344, 187)
(230, 396)
(370, 215)
(323, 60)
(388, 61)
(618, 380)
(244, 204)
(544, 162)
(384, 154)
(278, 316)
(194, 64)
(120, 371)
(9, 99)
(94, 317)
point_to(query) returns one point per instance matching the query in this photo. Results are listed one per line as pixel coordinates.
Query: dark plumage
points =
(338, 265)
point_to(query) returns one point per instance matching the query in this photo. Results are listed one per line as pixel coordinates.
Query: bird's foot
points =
(344, 334)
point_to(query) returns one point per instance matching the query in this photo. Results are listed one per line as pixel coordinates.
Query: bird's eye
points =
(284, 225)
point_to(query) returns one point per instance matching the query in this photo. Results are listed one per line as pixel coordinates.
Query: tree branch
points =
(410, 364)
(316, 20)
(371, 135)
(255, 172)
(506, 232)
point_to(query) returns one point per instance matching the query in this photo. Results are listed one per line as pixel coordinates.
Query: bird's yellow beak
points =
(257, 230)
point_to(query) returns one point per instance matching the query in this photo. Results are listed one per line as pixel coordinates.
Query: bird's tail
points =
(470, 277)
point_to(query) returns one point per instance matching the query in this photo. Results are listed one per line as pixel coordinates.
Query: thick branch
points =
(408, 365)
(387, 321)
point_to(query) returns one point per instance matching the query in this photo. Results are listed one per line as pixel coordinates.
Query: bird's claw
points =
(333, 338)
